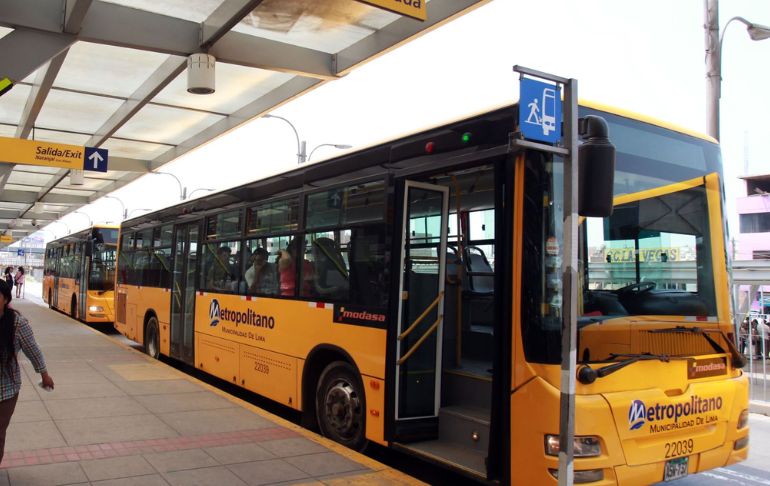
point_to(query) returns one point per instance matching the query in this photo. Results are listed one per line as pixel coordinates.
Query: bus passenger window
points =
(330, 272)
(222, 266)
(287, 269)
(260, 276)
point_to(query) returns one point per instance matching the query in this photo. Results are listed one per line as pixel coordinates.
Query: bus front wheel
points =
(50, 299)
(340, 405)
(151, 338)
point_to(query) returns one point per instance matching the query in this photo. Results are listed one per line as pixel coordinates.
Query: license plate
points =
(675, 469)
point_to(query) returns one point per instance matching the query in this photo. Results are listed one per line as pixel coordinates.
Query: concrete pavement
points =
(118, 417)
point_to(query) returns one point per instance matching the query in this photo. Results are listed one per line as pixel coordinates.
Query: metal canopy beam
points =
(162, 76)
(23, 51)
(39, 92)
(29, 197)
(16, 214)
(138, 29)
(274, 98)
(224, 18)
(399, 31)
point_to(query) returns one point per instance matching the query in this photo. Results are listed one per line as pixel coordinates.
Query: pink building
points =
(753, 240)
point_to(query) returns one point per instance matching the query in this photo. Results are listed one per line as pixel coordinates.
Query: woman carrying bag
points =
(15, 335)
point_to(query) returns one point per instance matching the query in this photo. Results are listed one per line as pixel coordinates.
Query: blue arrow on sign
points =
(539, 110)
(95, 159)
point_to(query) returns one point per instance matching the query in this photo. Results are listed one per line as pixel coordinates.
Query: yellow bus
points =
(409, 294)
(79, 274)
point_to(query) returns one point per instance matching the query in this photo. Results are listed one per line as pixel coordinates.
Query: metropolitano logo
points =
(214, 312)
(636, 414)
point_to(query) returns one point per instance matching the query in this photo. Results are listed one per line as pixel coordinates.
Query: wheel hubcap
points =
(342, 408)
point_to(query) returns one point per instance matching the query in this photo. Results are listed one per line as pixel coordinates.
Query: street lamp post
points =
(137, 209)
(757, 32)
(90, 222)
(69, 230)
(300, 143)
(189, 196)
(302, 156)
(340, 146)
(182, 189)
(122, 205)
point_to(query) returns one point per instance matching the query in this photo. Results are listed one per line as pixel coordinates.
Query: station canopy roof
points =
(113, 74)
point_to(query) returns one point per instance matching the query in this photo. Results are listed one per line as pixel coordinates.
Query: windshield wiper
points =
(588, 375)
(738, 360)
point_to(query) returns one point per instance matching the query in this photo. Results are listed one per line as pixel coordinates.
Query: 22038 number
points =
(679, 448)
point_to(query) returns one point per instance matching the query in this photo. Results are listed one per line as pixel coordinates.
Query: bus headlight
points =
(585, 445)
(95, 308)
(587, 476)
(743, 419)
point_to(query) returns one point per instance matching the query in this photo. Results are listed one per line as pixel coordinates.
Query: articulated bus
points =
(409, 294)
(80, 274)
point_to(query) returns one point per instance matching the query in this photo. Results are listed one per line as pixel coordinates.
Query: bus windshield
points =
(651, 257)
(650, 261)
(102, 273)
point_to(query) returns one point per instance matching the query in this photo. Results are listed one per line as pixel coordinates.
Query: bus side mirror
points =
(596, 168)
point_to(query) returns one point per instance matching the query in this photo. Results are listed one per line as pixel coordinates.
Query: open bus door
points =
(420, 310)
(183, 292)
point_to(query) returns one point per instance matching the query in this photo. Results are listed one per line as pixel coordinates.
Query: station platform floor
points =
(118, 417)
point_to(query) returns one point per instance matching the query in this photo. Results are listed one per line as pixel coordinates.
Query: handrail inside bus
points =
(422, 339)
(404, 334)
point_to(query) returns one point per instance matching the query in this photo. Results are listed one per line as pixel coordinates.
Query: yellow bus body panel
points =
(105, 300)
(140, 302)
(631, 456)
(262, 343)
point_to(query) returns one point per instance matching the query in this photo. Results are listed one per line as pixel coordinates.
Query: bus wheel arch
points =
(151, 335)
(334, 398)
(74, 307)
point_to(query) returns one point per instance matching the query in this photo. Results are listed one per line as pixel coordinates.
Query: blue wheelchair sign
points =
(540, 110)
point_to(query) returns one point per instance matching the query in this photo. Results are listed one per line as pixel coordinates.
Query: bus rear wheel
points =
(74, 308)
(151, 338)
(340, 405)
(50, 299)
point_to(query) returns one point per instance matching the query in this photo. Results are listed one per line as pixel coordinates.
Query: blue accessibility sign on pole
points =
(540, 110)
(95, 159)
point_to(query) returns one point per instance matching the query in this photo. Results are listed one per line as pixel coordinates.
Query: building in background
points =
(753, 239)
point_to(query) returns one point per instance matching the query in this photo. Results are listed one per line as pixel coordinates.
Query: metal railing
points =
(754, 344)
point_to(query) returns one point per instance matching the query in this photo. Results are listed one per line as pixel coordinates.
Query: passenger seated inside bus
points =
(331, 273)
(287, 269)
(221, 276)
(261, 277)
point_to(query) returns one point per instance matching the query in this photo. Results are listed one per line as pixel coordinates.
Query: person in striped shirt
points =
(15, 335)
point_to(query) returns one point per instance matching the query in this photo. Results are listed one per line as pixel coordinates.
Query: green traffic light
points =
(466, 137)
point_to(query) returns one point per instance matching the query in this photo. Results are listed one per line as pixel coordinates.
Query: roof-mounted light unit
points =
(200, 73)
(76, 177)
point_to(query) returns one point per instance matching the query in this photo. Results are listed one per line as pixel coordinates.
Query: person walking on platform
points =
(18, 279)
(15, 335)
(9, 276)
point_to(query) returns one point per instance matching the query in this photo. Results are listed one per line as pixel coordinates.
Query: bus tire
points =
(341, 406)
(50, 299)
(74, 308)
(152, 338)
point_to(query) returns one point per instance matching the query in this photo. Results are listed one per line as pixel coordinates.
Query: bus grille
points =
(120, 312)
(676, 344)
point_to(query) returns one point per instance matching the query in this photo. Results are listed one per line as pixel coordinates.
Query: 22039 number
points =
(262, 368)
(679, 448)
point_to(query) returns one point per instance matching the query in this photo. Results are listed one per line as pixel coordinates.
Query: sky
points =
(646, 57)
